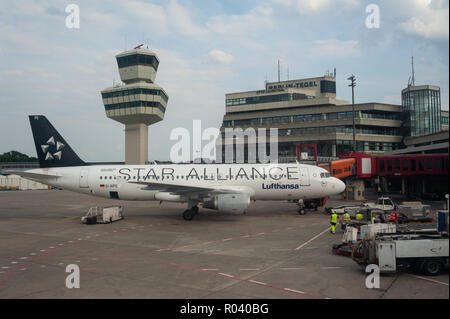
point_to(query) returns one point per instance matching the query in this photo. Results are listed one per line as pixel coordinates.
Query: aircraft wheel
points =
(188, 214)
(301, 211)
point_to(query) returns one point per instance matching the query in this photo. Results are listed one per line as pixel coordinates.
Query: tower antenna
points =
(278, 70)
(412, 68)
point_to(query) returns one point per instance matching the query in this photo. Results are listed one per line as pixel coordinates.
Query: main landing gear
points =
(190, 213)
(301, 207)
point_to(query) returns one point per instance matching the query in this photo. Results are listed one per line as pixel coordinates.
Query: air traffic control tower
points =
(138, 103)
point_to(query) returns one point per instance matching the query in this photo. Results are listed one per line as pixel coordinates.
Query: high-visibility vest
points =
(359, 216)
(346, 217)
(334, 218)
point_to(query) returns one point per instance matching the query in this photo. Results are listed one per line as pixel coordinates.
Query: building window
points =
(421, 165)
(389, 165)
(382, 166)
(397, 165)
(327, 86)
(429, 164)
(405, 165)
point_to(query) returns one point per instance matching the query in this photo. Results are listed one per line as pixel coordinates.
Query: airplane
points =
(227, 188)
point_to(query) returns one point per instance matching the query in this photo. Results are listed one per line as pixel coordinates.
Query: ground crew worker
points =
(346, 217)
(359, 216)
(333, 222)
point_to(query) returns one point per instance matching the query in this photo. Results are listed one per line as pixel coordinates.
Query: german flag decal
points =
(101, 186)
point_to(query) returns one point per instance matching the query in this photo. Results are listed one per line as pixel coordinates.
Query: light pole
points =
(352, 80)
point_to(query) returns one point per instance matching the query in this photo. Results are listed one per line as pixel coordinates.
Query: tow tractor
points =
(103, 215)
(383, 203)
(314, 204)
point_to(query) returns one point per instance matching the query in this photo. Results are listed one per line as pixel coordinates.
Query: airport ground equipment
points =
(383, 203)
(354, 234)
(103, 215)
(424, 251)
(310, 204)
(384, 209)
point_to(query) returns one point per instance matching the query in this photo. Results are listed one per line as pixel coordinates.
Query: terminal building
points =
(306, 111)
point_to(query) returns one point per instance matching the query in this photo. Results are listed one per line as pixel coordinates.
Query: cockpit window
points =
(325, 175)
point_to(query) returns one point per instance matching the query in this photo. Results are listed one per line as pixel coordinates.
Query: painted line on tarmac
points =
(258, 282)
(430, 280)
(315, 237)
(294, 291)
(210, 269)
(249, 269)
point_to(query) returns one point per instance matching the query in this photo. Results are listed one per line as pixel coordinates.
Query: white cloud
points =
(153, 15)
(181, 20)
(13, 72)
(425, 18)
(173, 18)
(256, 20)
(334, 48)
(317, 6)
(434, 27)
(219, 56)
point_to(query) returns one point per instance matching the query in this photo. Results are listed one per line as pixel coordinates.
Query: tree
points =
(14, 156)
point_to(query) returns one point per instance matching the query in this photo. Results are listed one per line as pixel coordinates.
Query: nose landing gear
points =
(190, 213)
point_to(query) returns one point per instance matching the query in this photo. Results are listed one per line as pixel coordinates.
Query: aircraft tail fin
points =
(51, 148)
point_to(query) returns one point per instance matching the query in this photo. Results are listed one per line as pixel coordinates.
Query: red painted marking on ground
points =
(431, 280)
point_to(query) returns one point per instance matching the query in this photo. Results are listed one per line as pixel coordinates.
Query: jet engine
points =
(228, 203)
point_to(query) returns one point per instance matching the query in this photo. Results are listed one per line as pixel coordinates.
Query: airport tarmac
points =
(271, 252)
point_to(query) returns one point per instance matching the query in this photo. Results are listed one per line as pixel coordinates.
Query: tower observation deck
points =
(137, 103)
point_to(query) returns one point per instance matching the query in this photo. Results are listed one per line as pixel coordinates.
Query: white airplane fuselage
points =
(258, 181)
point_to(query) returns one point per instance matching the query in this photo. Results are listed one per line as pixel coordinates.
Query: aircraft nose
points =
(340, 186)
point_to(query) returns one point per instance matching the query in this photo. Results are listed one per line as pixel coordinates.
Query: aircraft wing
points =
(177, 189)
(31, 175)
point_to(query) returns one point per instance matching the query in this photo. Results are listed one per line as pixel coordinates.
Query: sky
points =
(206, 49)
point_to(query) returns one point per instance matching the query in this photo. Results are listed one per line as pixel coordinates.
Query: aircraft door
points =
(304, 176)
(84, 174)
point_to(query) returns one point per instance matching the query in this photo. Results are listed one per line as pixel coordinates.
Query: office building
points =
(306, 111)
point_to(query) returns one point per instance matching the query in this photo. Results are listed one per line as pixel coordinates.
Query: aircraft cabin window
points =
(100, 177)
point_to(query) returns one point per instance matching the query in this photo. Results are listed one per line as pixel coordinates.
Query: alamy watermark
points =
(73, 280)
(73, 19)
(232, 145)
(373, 19)
(373, 279)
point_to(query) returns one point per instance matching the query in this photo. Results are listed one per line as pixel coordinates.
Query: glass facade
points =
(134, 104)
(138, 59)
(135, 91)
(327, 86)
(422, 111)
(375, 130)
(265, 99)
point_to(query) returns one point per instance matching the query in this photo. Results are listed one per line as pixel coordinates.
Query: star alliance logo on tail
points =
(58, 145)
